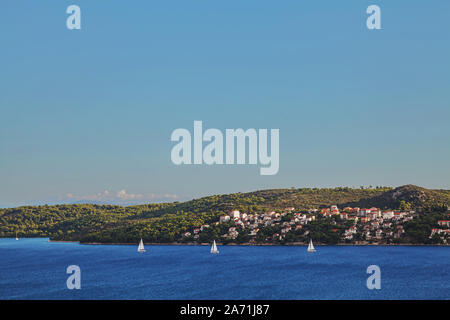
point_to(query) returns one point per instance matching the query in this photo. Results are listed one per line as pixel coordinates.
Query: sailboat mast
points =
(214, 247)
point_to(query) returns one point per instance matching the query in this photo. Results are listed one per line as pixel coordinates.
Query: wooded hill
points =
(165, 222)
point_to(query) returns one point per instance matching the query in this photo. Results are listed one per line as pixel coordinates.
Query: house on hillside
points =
(444, 223)
(234, 214)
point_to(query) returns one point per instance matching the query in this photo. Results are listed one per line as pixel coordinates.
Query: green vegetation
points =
(167, 221)
(418, 230)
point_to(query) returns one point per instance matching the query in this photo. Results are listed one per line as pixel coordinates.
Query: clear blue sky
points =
(91, 110)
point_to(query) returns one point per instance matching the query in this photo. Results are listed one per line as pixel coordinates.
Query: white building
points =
(235, 214)
(388, 214)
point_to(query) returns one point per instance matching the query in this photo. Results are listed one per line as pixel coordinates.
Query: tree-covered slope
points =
(165, 222)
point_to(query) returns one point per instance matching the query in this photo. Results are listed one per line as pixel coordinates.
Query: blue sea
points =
(36, 269)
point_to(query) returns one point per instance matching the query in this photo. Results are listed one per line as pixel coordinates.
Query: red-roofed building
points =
(388, 214)
(363, 212)
(444, 223)
(364, 219)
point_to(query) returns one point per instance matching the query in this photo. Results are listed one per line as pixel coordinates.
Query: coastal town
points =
(407, 215)
(351, 225)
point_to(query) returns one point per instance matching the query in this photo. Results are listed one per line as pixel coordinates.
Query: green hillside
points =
(166, 222)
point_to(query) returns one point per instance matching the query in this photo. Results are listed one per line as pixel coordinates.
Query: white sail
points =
(16, 236)
(214, 247)
(141, 246)
(311, 246)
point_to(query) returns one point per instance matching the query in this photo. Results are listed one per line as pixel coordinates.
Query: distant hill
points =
(164, 222)
(419, 198)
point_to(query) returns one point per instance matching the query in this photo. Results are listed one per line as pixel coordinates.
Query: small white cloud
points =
(121, 196)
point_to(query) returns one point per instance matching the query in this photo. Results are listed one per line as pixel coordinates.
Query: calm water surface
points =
(36, 269)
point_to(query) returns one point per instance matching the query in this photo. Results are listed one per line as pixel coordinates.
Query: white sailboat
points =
(311, 246)
(16, 236)
(141, 247)
(214, 248)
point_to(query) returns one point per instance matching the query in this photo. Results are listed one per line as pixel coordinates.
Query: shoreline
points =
(293, 244)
